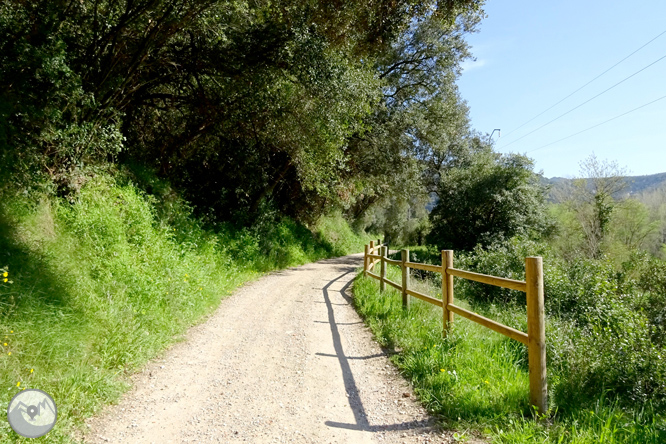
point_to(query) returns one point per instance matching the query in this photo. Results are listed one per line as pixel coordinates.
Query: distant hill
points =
(636, 184)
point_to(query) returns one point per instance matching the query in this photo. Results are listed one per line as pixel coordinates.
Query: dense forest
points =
(141, 139)
(301, 107)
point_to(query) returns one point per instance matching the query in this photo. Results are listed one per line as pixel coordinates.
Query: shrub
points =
(605, 327)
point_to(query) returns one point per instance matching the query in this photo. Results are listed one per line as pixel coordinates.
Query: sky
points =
(532, 54)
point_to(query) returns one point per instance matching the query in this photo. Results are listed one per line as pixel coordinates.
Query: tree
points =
(594, 200)
(421, 126)
(633, 227)
(238, 103)
(494, 197)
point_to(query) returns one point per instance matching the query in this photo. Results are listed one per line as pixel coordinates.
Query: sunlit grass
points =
(101, 286)
(475, 379)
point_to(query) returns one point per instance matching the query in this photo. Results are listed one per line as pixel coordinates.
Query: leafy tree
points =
(241, 104)
(494, 197)
(421, 126)
(594, 200)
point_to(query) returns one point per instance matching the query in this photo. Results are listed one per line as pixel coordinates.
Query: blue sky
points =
(531, 54)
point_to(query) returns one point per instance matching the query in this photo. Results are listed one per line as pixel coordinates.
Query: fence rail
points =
(535, 338)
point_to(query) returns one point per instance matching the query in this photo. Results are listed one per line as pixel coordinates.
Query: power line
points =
(554, 105)
(599, 124)
(587, 101)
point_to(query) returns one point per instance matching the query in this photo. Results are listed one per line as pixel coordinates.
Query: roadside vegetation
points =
(154, 155)
(605, 301)
(96, 288)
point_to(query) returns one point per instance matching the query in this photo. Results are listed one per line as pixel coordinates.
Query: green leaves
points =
(495, 197)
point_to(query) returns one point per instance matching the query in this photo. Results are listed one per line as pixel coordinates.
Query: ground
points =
(285, 359)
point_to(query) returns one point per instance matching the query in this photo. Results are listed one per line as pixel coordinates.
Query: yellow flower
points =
(186, 275)
(18, 383)
(5, 344)
(486, 382)
(10, 353)
(5, 279)
(32, 370)
(442, 370)
(11, 331)
(5, 274)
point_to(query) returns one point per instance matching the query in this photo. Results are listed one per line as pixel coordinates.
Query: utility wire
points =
(554, 105)
(587, 101)
(599, 124)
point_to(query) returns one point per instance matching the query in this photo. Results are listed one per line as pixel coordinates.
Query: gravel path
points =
(286, 359)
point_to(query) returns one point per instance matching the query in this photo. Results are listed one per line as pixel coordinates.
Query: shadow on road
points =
(360, 416)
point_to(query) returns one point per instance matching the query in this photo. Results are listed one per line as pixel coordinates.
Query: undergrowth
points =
(97, 287)
(477, 380)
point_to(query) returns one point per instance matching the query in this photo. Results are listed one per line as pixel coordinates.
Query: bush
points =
(605, 327)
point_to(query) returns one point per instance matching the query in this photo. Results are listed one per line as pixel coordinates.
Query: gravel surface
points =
(286, 359)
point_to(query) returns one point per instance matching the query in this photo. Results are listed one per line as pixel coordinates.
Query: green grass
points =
(477, 380)
(102, 285)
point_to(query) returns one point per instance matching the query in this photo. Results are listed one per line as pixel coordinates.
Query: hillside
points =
(635, 184)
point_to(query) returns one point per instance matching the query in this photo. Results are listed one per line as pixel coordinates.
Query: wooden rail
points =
(535, 338)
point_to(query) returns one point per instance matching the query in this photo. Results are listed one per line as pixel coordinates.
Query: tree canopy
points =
(493, 198)
(304, 105)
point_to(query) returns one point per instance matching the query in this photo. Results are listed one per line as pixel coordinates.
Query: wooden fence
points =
(535, 339)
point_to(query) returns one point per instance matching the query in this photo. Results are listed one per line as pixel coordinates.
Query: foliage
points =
(605, 334)
(593, 201)
(477, 379)
(238, 104)
(492, 198)
(102, 285)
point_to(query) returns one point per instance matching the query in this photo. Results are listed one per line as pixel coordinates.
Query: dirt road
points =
(285, 359)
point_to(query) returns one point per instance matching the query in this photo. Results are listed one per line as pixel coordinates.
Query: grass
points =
(477, 380)
(101, 286)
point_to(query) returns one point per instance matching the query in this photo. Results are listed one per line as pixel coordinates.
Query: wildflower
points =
(186, 275)
(442, 370)
(32, 370)
(5, 274)
(5, 344)
(5, 280)
(18, 384)
(9, 353)
(486, 382)
(11, 331)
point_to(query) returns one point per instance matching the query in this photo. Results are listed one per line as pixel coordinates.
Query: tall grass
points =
(477, 380)
(101, 285)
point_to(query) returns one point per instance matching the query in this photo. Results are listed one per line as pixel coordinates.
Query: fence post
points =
(536, 333)
(382, 281)
(405, 278)
(365, 261)
(371, 261)
(447, 289)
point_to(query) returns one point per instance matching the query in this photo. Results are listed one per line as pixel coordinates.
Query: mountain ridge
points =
(635, 184)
